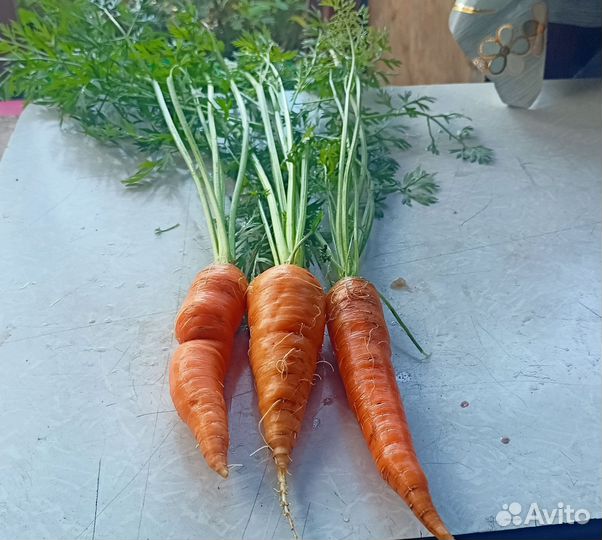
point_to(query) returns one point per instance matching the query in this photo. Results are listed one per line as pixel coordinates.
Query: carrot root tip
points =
(284, 504)
(223, 472)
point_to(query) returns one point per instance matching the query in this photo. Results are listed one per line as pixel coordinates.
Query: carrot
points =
(286, 319)
(362, 345)
(286, 303)
(215, 305)
(355, 190)
(205, 327)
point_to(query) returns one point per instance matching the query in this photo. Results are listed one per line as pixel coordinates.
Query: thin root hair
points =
(327, 363)
(259, 450)
(263, 418)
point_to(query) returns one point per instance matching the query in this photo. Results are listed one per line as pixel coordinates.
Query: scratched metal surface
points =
(503, 287)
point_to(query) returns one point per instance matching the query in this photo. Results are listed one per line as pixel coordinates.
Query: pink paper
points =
(11, 108)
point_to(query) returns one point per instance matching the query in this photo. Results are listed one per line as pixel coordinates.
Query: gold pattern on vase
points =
(471, 10)
(505, 51)
(535, 28)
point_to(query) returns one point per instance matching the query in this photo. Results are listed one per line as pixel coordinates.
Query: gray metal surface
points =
(503, 287)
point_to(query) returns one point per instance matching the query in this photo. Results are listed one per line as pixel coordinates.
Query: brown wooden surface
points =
(7, 10)
(421, 39)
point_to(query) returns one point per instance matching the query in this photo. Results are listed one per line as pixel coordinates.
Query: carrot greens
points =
(309, 129)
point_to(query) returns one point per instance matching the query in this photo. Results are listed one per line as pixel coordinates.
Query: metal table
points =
(503, 287)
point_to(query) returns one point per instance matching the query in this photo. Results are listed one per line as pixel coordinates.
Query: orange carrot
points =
(215, 305)
(286, 320)
(362, 345)
(205, 327)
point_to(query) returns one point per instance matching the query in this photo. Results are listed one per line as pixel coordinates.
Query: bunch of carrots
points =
(280, 148)
(291, 168)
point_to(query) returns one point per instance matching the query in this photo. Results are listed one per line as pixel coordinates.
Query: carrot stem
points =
(286, 189)
(279, 237)
(190, 164)
(269, 137)
(216, 213)
(242, 166)
(268, 232)
(211, 188)
(218, 175)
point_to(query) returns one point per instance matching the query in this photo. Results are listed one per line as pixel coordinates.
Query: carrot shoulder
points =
(286, 319)
(214, 306)
(205, 327)
(362, 345)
